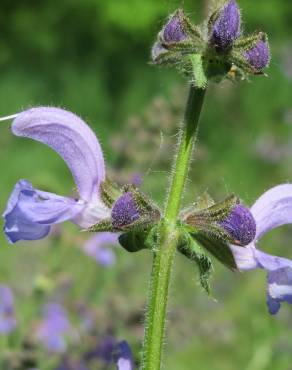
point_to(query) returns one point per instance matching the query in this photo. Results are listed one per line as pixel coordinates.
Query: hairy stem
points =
(168, 236)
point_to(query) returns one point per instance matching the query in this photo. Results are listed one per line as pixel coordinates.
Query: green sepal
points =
(109, 192)
(246, 43)
(202, 202)
(214, 213)
(218, 247)
(148, 210)
(239, 61)
(215, 14)
(216, 68)
(137, 239)
(133, 241)
(199, 76)
(104, 225)
(184, 47)
(192, 250)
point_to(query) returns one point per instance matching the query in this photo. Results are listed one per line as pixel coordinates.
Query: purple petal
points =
(17, 226)
(72, 139)
(124, 356)
(273, 209)
(157, 51)
(99, 247)
(244, 257)
(227, 27)
(259, 55)
(279, 279)
(30, 212)
(93, 212)
(279, 273)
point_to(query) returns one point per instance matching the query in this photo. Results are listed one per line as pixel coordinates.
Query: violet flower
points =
(53, 328)
(30, 212)
(272, 209)
(99, 246)
(226, 28)
(7, 315)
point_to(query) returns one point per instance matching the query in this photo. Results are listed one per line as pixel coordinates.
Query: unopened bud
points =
(259, 55)
(227, 26)
(240, 225)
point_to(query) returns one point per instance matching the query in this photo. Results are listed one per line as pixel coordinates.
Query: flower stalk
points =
(168, 236)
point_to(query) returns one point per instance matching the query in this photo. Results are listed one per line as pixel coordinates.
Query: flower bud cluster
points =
(214, 50)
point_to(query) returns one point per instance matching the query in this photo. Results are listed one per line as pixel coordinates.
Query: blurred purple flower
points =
(30, 212)
(123, 356)
(54, 327)
(7, 316)
(109, 351)
(272, 209)
(67, 364)
(103, 351)
(100, 248)
(226, 28)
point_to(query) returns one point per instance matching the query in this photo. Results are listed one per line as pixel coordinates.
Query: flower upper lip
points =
(31, 212)
(272, 209)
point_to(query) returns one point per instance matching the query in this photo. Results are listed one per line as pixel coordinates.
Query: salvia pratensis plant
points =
(228, 230)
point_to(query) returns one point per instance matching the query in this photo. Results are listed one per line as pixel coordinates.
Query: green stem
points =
(168, 237)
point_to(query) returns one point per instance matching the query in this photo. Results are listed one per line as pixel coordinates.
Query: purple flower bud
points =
(124, 211)
(173, 30)
(259, 55)
(227, 26)
(240, 225)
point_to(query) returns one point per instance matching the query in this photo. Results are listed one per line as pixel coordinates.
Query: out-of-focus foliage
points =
(92, 57)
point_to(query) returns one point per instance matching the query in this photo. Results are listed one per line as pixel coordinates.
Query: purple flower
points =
(173, 31)
(99, 247)
(259, 56)
(123, 356)
(53, 328)
(240, 225)
(272, 209)
(227, 26)
(7, 316)
(30, 213)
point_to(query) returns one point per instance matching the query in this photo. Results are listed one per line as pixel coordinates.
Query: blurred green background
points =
(92, 57)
